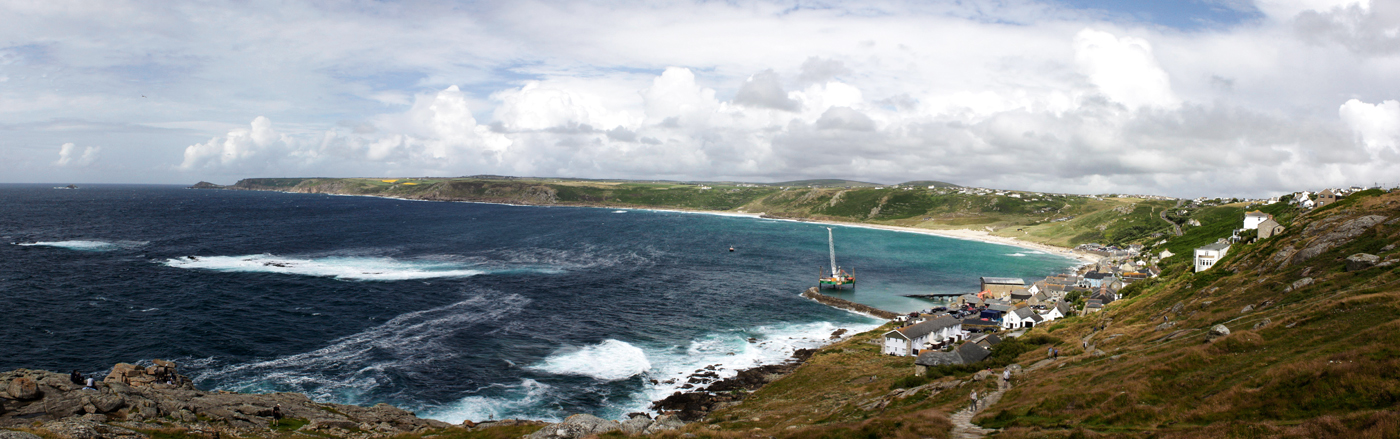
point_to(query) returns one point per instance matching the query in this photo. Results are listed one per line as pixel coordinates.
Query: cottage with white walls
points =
(1207, 255)
(1253, 219)
(1020, 318)
(1059, 311)
(907, 341)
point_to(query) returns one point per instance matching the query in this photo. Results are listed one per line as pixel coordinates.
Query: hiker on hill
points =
(974, 400)
(1006, 378)
(277, 415)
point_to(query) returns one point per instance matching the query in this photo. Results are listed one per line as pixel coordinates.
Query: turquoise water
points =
(891, 264)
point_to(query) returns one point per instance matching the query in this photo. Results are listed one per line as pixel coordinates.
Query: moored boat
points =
(838, 277)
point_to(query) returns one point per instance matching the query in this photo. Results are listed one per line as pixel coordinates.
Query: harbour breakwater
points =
(815, 294)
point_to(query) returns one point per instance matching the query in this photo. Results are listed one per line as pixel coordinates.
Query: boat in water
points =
(838, 277)
(66, 187)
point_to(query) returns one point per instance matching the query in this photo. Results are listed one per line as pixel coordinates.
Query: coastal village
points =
(964, 331)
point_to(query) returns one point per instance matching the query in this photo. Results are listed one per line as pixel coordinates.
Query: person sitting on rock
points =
(91, 384)
(75, 377)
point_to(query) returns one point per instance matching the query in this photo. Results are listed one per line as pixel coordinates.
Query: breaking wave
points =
(610, 360)
(345, 268)
(86, 245)
(523, 400)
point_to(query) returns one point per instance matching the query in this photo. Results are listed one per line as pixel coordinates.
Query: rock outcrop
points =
(1362, 261)
(133, 398)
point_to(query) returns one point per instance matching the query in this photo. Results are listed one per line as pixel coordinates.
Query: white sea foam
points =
(349, 268)
(731, 351)
(523, 400)
(619, 211)
(1018, 254)
(86, 245)
(610, 360)
(354, 365)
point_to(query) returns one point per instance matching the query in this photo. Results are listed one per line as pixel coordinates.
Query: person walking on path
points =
(1006, 378)
(974, 400)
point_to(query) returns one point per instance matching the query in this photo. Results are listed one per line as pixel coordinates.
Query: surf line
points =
(834, 302)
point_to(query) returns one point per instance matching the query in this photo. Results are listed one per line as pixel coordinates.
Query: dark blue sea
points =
(453, 310)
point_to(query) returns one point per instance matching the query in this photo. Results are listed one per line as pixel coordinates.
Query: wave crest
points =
(85, 245)
(345, 268)
(610, 360)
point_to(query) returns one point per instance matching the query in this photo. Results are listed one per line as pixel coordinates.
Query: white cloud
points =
(68, 155)
(1376, 126)
(1123, 69)
(239, 146)
(762, 90)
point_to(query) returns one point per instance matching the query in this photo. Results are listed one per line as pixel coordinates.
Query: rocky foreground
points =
(142, 402)
(134, 401)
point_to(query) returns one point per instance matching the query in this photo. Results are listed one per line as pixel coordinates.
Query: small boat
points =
(838, 277)
(731, 249)
(66, 187)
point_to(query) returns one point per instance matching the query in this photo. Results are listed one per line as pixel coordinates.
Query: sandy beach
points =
(981, 236)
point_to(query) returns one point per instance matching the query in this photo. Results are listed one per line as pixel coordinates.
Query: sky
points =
(1182, 98)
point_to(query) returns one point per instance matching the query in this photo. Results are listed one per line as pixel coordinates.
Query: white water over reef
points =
(85, 245)
(345, 268)
(670, 366)
(610, 360)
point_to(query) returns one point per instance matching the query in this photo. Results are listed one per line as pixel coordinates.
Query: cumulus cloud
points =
(762, 90)
(1376, 126)
(68, 155)
(1123, 69)
(1366, 27)
(845, 118)
(239, 146)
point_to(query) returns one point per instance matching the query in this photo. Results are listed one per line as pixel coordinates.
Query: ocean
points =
(452, 310)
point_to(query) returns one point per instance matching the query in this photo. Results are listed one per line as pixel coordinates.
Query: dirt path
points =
(1176, 228)
(963, 428)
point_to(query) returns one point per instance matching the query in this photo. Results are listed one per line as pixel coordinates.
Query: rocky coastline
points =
(136, 401)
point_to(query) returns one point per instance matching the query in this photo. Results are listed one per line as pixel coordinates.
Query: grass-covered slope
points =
(1313, 349)
(1317, 358)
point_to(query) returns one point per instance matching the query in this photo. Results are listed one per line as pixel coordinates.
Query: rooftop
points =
(1003, 280)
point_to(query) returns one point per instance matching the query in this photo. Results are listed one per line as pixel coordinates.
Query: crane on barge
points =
(838, 277)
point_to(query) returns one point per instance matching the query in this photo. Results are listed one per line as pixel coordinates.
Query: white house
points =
(907, 341)
(1209, 254)
(1020, 318)
(1252, 219)
(1059, 311)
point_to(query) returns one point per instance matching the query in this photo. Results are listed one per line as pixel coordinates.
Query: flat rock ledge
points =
(134, 401)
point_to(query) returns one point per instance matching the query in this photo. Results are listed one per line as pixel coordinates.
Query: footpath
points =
(963, 428)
